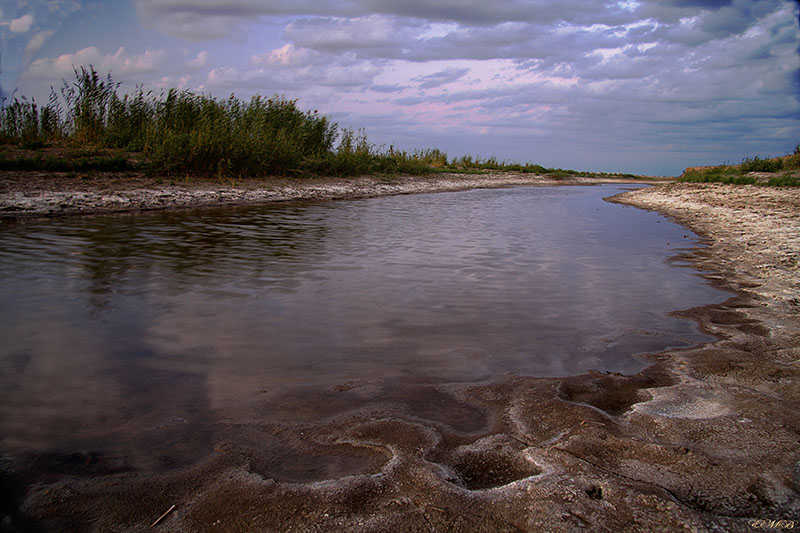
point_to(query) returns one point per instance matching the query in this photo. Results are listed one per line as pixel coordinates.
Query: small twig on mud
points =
(424, 516)
(160, 518)
(512, 437)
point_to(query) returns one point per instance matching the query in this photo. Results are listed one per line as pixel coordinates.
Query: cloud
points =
(223, 77)
(196, 28)
(727, 21)
(188, 18)
(442, 77)
(199, 20)
(200, 61)
(544, 30)
(655, 69)
(35, 44)
(268, 74)
(21, 24)
(387, 88)
(119, 63)
(703, 4)
(286, 56)
(209, 8)
(335, 34)
(25, 26)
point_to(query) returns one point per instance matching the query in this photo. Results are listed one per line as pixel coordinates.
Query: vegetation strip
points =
(93, 127)
(776, 172)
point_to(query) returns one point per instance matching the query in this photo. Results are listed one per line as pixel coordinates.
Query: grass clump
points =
(174, 132)
(792, 161)
(756, 164)
(752, 171)
(786, 180)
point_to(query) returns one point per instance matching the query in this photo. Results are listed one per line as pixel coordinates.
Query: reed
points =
(184, 133)
(174, 131)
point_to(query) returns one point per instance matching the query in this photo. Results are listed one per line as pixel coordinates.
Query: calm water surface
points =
(111, 322)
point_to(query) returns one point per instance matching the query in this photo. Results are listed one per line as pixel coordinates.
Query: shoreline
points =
(35, 195)
(704, 438)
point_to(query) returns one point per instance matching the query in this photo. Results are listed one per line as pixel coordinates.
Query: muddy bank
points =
(704, 439)
(38, 194)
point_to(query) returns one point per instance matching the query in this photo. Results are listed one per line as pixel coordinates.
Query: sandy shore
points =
(34, 194)
(704, 439)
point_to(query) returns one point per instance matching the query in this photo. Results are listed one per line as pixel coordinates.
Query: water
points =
(113, 326)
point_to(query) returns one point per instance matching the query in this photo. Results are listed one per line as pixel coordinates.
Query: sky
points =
(643, 86)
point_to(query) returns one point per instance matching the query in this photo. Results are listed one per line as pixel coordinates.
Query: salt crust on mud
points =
(705, 439)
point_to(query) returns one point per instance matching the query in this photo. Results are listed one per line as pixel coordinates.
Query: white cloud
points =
(119, 63)
(35, 44)
(21, 24)
(223, 77)
(356, 75)
(266, 77)
(286, 56)
(200, 61)
(437, 29)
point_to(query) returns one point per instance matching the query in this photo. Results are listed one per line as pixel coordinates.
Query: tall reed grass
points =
(176, 131)
(181, 132)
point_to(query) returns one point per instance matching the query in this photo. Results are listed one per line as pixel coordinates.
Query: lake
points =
(116, 326)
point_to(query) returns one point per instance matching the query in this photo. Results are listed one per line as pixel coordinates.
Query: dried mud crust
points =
(703, 439)
(46, 194)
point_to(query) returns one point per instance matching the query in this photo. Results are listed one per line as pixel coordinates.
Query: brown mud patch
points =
(706, 438)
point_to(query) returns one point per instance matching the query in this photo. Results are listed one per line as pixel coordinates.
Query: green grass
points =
(59, 164)
(786, 180)
(784, 170)
(184, 133)
(175, 132)
(756, 164)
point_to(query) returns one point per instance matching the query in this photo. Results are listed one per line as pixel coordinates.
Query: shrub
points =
(787, 180)
(757, 164)
(792, 162)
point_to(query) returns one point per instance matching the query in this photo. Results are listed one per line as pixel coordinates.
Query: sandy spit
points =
(705, 439)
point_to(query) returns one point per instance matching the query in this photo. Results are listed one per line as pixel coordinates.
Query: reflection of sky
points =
(118, 312)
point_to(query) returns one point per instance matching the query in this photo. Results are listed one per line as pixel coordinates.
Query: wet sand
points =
(704, 439)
